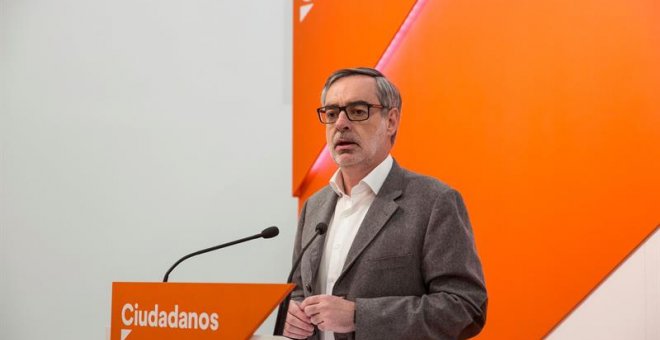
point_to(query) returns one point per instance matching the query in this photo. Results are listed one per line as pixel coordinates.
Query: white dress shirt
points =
(348, 216)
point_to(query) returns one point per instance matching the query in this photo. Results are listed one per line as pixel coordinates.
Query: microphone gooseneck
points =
(269, 232)
(320, 229)
(283, 309)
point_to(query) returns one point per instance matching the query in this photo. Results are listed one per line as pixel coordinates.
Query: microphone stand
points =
(266, 233)
(283, 309)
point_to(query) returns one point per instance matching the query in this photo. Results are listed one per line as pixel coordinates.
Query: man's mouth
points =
(344, 145)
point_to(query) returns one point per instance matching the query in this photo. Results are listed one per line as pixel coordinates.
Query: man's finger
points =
(299, 331)
(312, 300)
(295, 310)
(296, 322)
(312, 310)
(316, 319)
(295, 333)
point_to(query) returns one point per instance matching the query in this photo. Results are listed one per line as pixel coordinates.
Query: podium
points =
(181, 311)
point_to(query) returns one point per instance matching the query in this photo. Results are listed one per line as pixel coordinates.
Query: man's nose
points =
(343, 123)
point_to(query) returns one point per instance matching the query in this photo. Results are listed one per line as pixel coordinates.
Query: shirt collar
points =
(374, 180)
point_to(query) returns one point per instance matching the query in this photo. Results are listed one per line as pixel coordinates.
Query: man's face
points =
(362, 144)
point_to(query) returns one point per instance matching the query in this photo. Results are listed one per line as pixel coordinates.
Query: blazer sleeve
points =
(454, 306)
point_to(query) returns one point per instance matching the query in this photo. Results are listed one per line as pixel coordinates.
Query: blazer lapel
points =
(379, 213)
(312, 258)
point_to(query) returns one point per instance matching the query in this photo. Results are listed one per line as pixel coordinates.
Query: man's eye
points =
(359, 111)
(332, 114)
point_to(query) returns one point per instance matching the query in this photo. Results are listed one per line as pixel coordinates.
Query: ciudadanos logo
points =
(191, 311)
(133, 317)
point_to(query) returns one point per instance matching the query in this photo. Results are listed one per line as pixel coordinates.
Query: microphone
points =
(280, 320)
(269, 232)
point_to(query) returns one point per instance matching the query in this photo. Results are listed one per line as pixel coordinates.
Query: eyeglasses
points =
(355, 112)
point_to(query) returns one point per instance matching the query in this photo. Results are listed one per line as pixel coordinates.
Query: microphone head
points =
(270, 232)
(321, 228)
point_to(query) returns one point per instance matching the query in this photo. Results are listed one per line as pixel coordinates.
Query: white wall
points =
(134, 132)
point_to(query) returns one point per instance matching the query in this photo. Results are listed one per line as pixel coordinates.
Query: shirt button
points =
(308, 287)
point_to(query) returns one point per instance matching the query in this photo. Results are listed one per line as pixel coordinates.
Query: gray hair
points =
(387, 93)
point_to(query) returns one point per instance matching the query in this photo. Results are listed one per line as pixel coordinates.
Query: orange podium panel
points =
(146, 311)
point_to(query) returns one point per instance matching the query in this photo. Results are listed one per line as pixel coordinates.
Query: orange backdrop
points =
(545, 114)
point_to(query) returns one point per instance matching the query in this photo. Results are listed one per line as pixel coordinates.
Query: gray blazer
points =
(412, 271)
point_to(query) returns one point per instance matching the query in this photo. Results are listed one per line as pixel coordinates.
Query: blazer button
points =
(308, 287)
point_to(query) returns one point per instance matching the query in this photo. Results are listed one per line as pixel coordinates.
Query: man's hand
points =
(330, 313)
(298, 325)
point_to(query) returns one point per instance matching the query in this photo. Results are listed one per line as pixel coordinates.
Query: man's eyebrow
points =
(358, 102)
(349, 103)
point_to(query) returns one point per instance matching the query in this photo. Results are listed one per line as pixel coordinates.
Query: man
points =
(398, 260)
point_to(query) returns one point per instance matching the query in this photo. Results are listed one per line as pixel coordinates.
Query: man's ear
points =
(393, 117)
